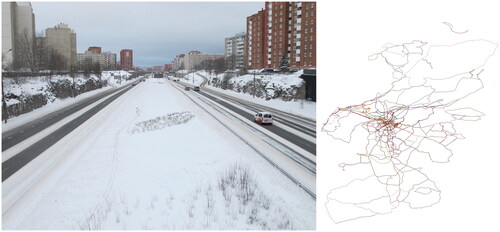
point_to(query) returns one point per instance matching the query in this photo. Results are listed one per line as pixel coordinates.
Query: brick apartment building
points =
(282, 28)
(95, 50)
(126, 59)
(255, 40)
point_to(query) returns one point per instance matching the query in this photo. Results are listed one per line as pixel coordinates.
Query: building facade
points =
(167, 67)
(283, 30)
(126, 59)
(234, 51)
(178, 62)
(63, 39)
(18, 35)
(94, 49)
(106, 60)
(194, 58)
(255, 40)
(109, 60)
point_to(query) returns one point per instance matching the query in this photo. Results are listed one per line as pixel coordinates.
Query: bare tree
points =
(25, 51)
(57, 62)
(41, 51)
(96, 70)
(87, 66)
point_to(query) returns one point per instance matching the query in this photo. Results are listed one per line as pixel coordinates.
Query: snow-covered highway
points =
(157, 159)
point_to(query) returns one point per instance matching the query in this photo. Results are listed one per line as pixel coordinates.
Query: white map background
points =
(469, 183)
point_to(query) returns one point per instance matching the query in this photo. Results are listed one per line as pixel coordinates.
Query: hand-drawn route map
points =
(412, 121)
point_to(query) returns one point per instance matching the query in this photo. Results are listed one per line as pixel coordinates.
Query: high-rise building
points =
(178, 62)
(282, 30)
(94, 49)
(63, 39)
(255, 40)
(109, 61)
(18, 35)
(234, 51)
(126, 59)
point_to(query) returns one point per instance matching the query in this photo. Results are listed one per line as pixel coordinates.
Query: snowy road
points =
(153, 159)
(16, 135)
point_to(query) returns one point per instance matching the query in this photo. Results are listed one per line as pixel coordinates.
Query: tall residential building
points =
(62, 39)
(255, 40)
(289, 30)
(178, 62)
(18, 35)
(194, 58)
(126, 59)
(94, 49)
(109, 61)
(234, 51)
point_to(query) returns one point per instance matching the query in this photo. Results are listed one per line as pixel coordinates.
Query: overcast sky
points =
(156, 31)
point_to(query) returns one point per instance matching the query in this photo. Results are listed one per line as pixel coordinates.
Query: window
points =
(311, 38)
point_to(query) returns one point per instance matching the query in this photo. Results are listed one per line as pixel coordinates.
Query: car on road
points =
(263, 118)
(267, 70)
(196, 88)
(186, 88)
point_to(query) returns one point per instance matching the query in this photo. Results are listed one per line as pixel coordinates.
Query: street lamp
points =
(254, 83)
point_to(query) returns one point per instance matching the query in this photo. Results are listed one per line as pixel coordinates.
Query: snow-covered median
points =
(182, 171)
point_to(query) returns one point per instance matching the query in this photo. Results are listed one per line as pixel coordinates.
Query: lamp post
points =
(254, 83)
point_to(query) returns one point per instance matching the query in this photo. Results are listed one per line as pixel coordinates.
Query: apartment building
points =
(234, 51)
(126, 59)
(255, 40)
(18, 35)
(282, 29)
(194, 58)
(62, 39)
(94, 49)
(178, 62)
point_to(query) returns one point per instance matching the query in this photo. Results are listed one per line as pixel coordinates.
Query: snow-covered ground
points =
(34, 86)
(298, 107)
(153, 159)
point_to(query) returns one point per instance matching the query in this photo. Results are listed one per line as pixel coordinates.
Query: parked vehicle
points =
(196, 88)
(263, 118)
(267, 70)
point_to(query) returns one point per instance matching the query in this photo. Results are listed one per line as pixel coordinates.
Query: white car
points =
(263, 118)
